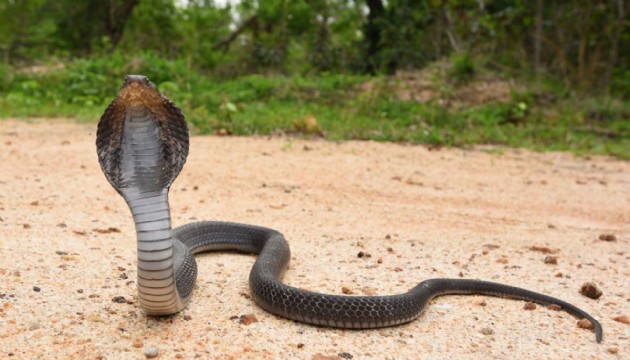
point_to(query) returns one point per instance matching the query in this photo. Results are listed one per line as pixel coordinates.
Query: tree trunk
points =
(451, 33)
(538, 34)
(373, 31)
(282, 49)
(560, 43)
(118, 16)
(225, 43)
(439, 28)
(613, 53)
(584, 81)
(322, 59)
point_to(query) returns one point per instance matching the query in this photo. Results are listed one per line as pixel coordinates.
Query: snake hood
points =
(138, 97)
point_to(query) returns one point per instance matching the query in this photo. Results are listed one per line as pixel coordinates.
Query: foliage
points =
(262, 66)
(463, 67)
(578, 43)
(341, 105)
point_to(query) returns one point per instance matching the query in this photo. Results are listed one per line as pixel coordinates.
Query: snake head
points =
(138, 90)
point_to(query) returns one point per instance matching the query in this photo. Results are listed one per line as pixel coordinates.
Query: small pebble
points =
(123, 276)
(553, 260)
(585, 324)
(622, 319)
(346, 290)
(589, 289)
(187, 317)
(487, 331)
(613, 350)
(151, 352)
(137, 343)
(607, 237)
(247, 319)
(36, 289)
(529, 306)
(107, 231)
(543, 249)
(345, 355)
(300, 345)
(119, 299)
(554, 307)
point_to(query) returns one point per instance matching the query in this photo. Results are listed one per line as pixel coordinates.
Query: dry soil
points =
(67, 248)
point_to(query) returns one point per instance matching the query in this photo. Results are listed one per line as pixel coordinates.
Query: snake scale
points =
(142, 145)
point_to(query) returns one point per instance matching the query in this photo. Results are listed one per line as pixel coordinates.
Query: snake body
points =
(142, 145)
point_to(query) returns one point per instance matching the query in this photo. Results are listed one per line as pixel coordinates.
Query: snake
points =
(142, 144)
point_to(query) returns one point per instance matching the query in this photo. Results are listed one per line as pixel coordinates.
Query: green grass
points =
(262, 105)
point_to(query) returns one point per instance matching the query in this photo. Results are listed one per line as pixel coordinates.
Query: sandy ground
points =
(67, 248)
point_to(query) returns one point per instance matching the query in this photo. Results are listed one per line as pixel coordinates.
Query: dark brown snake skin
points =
(142, 144)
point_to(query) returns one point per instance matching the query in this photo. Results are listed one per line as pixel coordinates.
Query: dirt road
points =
(67, 248)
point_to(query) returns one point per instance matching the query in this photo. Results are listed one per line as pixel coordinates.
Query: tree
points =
(83, 24)
(373, 30)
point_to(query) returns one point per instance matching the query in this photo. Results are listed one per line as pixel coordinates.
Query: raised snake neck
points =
(142, 144)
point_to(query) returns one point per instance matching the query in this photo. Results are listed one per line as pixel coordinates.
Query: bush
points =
(341, 106)
(462, 68)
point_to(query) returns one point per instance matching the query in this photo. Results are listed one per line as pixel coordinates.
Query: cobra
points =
(142, 145)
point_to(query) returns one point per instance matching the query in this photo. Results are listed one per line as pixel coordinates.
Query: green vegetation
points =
(514, 73)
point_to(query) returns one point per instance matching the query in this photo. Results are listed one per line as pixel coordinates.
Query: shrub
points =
(462, 68)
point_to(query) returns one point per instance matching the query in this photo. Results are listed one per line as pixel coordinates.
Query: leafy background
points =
(547, 75)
